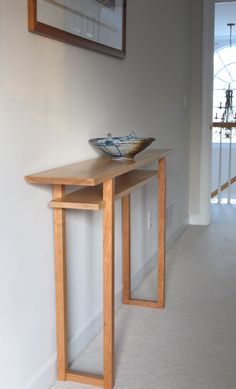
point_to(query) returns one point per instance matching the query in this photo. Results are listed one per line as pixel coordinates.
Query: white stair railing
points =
(225, 131)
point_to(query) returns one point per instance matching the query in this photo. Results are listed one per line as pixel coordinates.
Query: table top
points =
(94, 171)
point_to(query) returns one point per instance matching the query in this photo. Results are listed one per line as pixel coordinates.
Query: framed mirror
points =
(98, 25)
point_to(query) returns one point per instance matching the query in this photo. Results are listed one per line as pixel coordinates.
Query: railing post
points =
(220, 168)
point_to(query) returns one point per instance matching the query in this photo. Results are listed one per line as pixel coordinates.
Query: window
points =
(224, 78)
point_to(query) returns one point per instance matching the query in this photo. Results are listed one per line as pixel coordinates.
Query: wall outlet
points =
(149, 220)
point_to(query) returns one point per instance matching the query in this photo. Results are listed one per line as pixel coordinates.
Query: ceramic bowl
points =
(123, 147)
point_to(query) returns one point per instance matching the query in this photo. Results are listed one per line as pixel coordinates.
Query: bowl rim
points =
(134, 140)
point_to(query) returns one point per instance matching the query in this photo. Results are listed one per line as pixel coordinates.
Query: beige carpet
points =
(192, 343)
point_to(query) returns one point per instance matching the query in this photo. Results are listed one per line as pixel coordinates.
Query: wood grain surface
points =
(61, 287)
(108, 283)
(94, 171)
(91, 198)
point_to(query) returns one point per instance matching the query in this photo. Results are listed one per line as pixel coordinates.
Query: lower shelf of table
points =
(83, 378)
(91, 198)
(143, 303)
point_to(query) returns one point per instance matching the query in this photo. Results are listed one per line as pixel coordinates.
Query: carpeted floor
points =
(192, 343)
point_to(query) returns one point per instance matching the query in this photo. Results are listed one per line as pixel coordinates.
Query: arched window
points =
(224, 78)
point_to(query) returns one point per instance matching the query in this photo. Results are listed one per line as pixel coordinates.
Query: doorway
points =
(223, 151)
(207, 108)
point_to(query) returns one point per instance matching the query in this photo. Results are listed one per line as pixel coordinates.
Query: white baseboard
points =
(198, 220)
(83, 336)
(45, 377)
(174, 234)
(48, 373)
(143, 272)
(194, 219)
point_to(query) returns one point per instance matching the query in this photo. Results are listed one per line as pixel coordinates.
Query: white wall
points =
(53, 98)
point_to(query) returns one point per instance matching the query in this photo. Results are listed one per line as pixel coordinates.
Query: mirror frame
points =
(55, 33)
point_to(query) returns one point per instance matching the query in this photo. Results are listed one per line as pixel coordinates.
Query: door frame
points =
(206, 110)
(206, 107)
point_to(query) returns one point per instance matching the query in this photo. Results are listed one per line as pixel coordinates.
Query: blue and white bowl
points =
(122, 147)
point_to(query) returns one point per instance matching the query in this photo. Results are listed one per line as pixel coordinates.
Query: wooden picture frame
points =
(102, 32)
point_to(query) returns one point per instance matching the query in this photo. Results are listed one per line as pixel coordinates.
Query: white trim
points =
(206, 109)
(83, 336)
(46, 376)
(195, 220)
(175, 234)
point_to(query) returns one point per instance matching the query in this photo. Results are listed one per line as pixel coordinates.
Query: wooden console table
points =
(103, 180)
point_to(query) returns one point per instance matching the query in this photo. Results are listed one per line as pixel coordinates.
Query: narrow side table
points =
(103, 180)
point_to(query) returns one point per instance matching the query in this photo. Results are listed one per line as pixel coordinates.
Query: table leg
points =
(127, 299)
(61, 290)
(108, 282)
(126, 247)
(161, 232)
